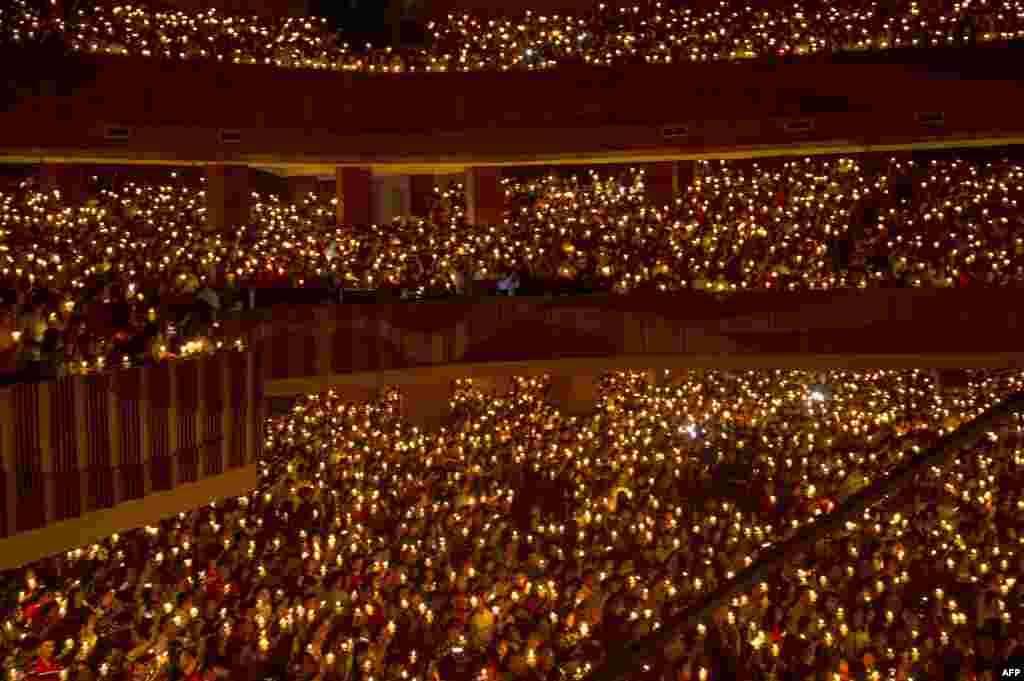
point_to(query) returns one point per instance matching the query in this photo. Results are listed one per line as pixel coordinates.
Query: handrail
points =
(622, 662)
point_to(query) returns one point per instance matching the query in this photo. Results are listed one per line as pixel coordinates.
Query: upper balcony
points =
(137, 110)
(540, 101)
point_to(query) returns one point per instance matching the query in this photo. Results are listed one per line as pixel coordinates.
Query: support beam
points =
(301, 186)
(667, 181)
(661, 182)
(72, 181)
(623, 663)
(950, 381)
(495, 386)
(574, 394)
(686, 173)
(485, 199)
(355, 393)
(658, 377)
(426, 405)
(228, 199)
(354, 188)
(391, 198)
(278, 406)
(421, 191)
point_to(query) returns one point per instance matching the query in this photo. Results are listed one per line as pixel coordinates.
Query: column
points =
(574, 395)
(495, 386)
(144, 432)
(81, 430)
(202, 420)
(421, 191)
(172, 422)
(442, 180)
(353, 186)
(47, 467)
(951, 380)
(279, 406)
(71, 180)
(300, 187)
(661, 182)
(117, 492)
(326, 323)
(227, 421)
(686, 173)
(253, 424)
(8, 464)
(485, 199)
(227, 198)
(657, 378)
(391, 198)
(426, 405)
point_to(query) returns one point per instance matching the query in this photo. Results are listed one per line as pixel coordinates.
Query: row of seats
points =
(522, 544)
(657, 32)
(134, 273)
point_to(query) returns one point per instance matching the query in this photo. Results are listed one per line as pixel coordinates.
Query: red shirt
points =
(377, 618)
(214, 584)
(32, 609)
(41, 666)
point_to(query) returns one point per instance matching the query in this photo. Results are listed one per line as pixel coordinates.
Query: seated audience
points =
(522, 543)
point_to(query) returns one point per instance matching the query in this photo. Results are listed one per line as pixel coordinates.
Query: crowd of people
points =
(132, 275)
(647, 32)
(521, 543)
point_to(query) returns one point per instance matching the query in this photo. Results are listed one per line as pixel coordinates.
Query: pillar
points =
(686, 173)
(666, 181)
(278, 406)
(173, 441)
(391, 198)
(574, 395)
(9, 465)
(657, 378)
(495, 386)
(421, 192)
(951, 381)
(354, 186)
(300, 187)
(355, 393)
(227, 198)
(485, 198)
(426, 405)
(71, 180)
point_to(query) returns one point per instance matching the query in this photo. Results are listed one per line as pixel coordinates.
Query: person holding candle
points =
(45, 666)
